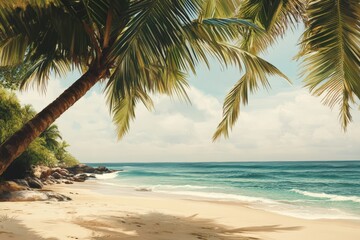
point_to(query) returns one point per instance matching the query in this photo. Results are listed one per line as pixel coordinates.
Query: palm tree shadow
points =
(157, 226)
(10, 228)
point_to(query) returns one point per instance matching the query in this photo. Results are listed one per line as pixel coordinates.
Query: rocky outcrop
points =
(28, 189)
(21, 196)
(80, 177)
(34, 182)
(10, 186)
(56, 175)
(41, 171)
(22, 182)
(82, 168)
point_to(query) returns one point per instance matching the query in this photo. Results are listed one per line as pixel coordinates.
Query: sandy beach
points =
(131, 214)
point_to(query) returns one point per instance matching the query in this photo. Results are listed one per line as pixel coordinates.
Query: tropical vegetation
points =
(142, 47)
(49, 149)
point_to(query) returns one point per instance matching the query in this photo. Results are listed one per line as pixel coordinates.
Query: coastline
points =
(130, 214)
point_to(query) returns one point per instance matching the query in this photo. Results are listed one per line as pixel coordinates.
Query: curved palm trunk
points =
(15, 145)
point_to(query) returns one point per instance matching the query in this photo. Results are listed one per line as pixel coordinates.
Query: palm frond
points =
(132, 82)
(39, 73)
(257, 71)
(331, 53)
(139, 65)
(156, 24)
(26, 3)
(123, 111)
(218, 9)
(48, 37)
(276, 17)
(13, 50)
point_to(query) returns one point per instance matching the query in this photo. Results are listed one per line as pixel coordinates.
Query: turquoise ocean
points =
(310, 190)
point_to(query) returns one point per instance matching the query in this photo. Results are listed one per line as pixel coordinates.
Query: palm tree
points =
(51, 136)
(61, 151)
(28, 112)
(148, 46)
(135, 47)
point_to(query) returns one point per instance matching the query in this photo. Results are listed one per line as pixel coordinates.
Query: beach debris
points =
(143, 189)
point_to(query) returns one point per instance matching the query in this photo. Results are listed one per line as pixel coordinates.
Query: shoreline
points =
(134, 214)
(281, 207)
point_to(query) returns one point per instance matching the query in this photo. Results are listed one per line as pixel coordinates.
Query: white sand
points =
(150, 216)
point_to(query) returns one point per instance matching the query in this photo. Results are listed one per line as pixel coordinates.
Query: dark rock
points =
(80, 177)
(34, 182)
(81, 168)
(68, 182)
(56, 175)
(63, 172)
(91, 176)
(22, 182)
(102, 169)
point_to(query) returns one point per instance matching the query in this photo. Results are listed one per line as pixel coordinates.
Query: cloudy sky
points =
(285, 123)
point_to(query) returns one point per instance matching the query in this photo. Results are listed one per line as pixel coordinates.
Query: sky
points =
(285, 123)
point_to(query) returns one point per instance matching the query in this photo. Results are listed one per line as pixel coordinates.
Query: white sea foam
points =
(219, 196)
(284, 207)
(331, 197)
(162, 186)
(107, 175)
(309, 212)
(270, 205)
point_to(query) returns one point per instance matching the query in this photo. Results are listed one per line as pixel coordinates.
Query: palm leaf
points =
(48, 38)
(124, 109)
(256, 74)
(276, 17)
(331, 53)
(139, 65)
(218, 9)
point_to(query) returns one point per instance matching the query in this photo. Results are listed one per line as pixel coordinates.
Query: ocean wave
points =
(187, 186)
(331, 197)
(221, 196)
(107, 175)
(310, 212)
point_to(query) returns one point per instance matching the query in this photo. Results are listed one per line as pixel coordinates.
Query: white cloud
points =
(288, 126)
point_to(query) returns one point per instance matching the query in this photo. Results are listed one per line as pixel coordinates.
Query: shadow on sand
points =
(12, 229)
(156, 226)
